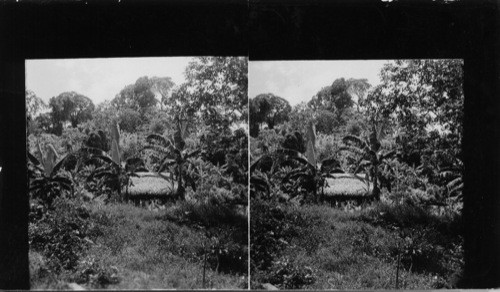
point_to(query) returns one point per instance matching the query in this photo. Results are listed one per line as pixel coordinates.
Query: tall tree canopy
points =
(425, 98)
(268, 108)
(34, 104)
(70, 107)
(144, 93)
(216, 89)
(338, 97)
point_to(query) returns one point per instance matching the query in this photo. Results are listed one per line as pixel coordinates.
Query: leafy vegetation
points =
(100, 217)
(313, 223)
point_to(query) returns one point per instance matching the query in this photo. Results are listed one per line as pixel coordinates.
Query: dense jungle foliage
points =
(87, 227)
(361, 186)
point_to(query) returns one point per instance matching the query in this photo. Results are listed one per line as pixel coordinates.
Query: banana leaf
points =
(155, 139)
(356, 142)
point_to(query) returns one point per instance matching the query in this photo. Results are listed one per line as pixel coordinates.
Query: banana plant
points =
(453, 178)
(175, 156)
(303, 171)
(371, 159)
(47, 182)
(109, 171)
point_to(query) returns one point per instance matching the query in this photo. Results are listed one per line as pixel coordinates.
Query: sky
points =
(298, 81)
(98, 79)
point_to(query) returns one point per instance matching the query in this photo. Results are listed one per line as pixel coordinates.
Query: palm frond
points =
(352, 149)
(256, 163)
(389, 154)
(157, 148)
(33, 159)
(355, 141)
(155, 139)
(455, 183)
(166, 164)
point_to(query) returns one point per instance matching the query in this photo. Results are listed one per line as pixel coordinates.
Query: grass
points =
(358, 249)
(135, 248)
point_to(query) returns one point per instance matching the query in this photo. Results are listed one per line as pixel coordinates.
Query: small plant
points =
(91, 272)
(287, 275)
(61, 234)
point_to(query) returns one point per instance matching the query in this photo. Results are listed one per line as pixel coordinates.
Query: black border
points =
(264, 30)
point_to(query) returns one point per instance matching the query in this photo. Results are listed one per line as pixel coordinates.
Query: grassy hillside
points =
(128, 247)
(318, 247)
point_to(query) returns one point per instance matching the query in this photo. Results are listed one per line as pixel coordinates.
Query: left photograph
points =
(138, 173)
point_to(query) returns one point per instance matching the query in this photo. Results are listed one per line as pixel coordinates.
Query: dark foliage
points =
(229, 149)
(61, 234)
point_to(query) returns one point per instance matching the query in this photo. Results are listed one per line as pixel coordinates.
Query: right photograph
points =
(356, 174)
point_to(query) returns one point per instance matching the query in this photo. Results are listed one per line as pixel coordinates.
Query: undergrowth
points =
(121, 246)
(319, 247)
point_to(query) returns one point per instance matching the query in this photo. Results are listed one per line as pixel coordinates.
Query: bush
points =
(287, 275)
(327, 146)
(224, 227)
(90, 271)
(354, 128)
(230, 148)
(272, 227)
(131, 145)
(61, 235)
(268, 141)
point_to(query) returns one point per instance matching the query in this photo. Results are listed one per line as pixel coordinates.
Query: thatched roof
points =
(346, 184)
(151, 183)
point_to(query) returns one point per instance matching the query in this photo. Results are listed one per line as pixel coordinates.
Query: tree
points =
(270, 109)
(70, 107)
(216, 89)
(34, 105)
(422, 97)
(338, 97)
(44, 122)
(144, 93)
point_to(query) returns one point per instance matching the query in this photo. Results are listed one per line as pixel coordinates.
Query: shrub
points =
(230, 148)
(354, 128)
(225, 229)
(272, 227)
(157, 126)
(327, 146)
(287, 275)
(268, 141)
(61, 235)
(90, 271)
(131, 145)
